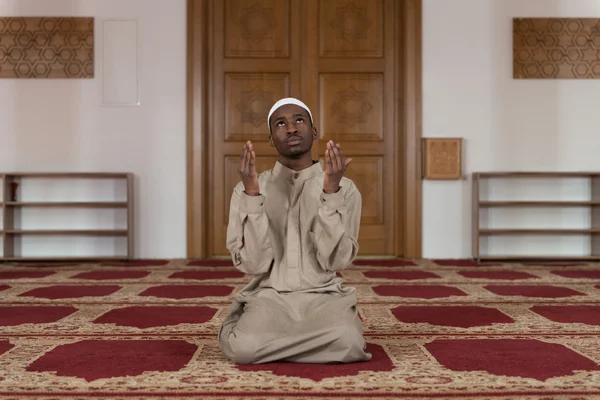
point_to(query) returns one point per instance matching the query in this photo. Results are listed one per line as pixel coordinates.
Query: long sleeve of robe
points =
(293, 236)
(248, 234)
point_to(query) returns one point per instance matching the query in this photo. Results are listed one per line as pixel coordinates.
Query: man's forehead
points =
(289, 109)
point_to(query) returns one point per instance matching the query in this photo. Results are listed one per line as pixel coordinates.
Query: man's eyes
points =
(281, 123)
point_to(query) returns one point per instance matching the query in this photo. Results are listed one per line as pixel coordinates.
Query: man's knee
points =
(349, 341)
(241, 348)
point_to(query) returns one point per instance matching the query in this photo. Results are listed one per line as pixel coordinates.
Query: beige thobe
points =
(292, 238)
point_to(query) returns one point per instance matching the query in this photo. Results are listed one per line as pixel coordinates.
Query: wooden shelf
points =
(67, 259)
(591, 232)
(538, 258)
(537, 174)
(68, 204)
(13, 208)
(91, 232)
(69, 175)
(538, 203)
(538, 231)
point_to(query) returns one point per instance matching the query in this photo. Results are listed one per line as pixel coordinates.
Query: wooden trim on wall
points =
(409, 123)
(197, 101)
(411, 127)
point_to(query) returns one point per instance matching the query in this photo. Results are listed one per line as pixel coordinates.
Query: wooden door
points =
(344, 58)
(349, 81)
(255, 61)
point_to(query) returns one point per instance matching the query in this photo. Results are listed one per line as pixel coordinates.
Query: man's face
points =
(292, 133)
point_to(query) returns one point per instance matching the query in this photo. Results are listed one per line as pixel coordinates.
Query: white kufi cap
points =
(285, 101)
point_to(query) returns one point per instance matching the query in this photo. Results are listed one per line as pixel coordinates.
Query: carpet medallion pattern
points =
(443, 329)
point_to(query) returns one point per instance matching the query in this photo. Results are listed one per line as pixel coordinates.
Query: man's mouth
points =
(293, 141)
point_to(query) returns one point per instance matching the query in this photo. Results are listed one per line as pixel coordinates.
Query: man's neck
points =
(297, 164)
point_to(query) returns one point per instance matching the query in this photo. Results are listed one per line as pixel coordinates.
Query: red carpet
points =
(445, 329)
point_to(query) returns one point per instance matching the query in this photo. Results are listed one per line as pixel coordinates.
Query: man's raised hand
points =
(335, 167)
(247, 170)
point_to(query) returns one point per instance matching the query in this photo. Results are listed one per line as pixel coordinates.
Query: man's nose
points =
(292, 129)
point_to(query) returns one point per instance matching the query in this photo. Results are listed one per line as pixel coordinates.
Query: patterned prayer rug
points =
(437, 329)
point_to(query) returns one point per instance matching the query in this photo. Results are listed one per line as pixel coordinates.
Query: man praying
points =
(291, 228)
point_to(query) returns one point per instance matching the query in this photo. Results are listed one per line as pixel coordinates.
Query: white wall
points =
(63, 125)
(468, 91)
(508, 125)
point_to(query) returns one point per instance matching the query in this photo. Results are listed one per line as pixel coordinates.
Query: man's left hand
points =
(335, 167)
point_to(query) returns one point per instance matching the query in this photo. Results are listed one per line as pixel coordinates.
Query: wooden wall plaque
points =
(442, 158)
(556, 48)
(57, 47)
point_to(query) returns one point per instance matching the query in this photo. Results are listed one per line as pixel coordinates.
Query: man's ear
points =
(271, 141)
(315, 133)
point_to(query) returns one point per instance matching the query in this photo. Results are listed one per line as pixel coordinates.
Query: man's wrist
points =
(331, 190)
(332, 201)
(252, 204)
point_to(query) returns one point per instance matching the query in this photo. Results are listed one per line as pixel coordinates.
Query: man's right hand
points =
(247, 170)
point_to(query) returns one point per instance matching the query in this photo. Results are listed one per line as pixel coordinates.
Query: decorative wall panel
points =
(32, 47)
(443, 158)
(556, 48)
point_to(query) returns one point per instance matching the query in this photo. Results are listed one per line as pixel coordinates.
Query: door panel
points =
(251, 67)
(351, 46)
(351, 28)
(256, 28)
(248, 98)
(351, 106)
